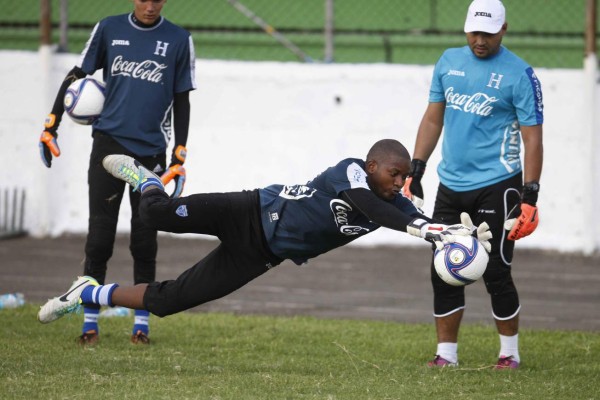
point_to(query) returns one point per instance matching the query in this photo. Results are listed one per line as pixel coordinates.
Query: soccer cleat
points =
(67, 303)
(140, 338)
(441, 362)
(507, 363)
(130, 170)
(88, 338)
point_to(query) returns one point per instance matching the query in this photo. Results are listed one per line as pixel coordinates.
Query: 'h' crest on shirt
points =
(161, 48)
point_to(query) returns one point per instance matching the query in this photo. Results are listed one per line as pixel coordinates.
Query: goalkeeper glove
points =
(524, 217)
(176, 171)
(412, 188)
(48, 144)
(438, 234)
(481, 232)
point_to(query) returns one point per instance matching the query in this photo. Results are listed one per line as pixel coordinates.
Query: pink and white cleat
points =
(507, 363)
(441, 362)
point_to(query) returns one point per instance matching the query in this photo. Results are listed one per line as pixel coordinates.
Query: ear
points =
(371, 166)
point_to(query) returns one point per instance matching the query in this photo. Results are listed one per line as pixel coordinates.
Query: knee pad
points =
(446, 298)
(501, 288)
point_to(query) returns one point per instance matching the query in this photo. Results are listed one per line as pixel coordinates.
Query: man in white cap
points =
(488, 101)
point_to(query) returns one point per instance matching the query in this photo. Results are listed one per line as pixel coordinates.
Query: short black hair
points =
(386, 148)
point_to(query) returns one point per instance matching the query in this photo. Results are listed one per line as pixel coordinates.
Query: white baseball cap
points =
(485, 16)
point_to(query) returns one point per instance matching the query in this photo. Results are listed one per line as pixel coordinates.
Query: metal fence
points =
(547, 33)
(12, 213)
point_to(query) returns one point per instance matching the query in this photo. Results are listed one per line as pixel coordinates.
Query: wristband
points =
(180, 153)
(530, 192)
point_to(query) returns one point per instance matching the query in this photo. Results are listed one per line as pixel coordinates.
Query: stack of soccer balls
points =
(462, 262)
(84, 100)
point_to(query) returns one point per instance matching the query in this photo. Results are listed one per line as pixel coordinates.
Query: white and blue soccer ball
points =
(462, 262)
(84, 100)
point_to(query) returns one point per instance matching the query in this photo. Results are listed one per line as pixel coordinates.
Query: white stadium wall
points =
(259, 123)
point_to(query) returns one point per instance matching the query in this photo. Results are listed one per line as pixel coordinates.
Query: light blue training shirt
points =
(487, 101)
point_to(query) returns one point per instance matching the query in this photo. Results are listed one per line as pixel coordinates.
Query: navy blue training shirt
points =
(303, 221)
(143, 68)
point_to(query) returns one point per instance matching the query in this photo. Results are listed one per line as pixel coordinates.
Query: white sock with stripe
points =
(141, 322)
(90, 319)
(101, 295)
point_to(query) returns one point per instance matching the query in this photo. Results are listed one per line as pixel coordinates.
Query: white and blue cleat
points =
(130, 170)
(66, 303)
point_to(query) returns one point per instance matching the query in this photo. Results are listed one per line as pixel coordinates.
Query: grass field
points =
(223, 356)
(394, 31)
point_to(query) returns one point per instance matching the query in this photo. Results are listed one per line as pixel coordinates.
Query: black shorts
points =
(492, 205)
(242, 255)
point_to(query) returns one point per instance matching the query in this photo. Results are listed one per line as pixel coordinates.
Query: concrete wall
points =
(259, 123)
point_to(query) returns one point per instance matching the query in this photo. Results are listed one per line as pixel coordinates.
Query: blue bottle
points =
(116, 312)
(12, 300)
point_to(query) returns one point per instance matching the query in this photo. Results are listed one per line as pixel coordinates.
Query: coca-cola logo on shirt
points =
(148, 70)
(340, 211)
(478, 103)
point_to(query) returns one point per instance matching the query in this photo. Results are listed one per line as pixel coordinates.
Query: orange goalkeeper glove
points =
(523, 219)
(48, 144)
(176, 172)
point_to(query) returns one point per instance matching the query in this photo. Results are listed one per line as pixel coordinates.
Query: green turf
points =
(223, 356)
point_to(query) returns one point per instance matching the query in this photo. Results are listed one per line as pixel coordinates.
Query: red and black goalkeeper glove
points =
(48, 144)
(412, 188)
(176, 172)
(524, 217)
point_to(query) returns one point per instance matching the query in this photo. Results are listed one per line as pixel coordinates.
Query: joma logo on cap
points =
(483, 14)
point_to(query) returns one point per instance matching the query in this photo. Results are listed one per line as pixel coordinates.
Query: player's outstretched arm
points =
(388, 215)
(381, 212)
(438, 234)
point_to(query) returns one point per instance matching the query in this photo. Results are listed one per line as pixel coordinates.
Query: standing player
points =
(489, 101)
(258, 229)
(148, 68)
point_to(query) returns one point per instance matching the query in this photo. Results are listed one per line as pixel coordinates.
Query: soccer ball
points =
(84, 100)
(461, 262)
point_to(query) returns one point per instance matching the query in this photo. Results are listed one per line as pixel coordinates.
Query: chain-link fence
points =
(545, 33)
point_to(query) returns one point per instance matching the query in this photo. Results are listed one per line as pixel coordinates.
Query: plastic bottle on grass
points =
(116, 312)
(12, 300)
